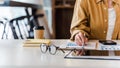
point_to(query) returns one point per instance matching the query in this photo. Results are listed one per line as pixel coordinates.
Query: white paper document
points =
(72, 45)
(91, 45)
(108, 47)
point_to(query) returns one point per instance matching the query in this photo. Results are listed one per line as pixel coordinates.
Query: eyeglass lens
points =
(52, 49)
(43, 48)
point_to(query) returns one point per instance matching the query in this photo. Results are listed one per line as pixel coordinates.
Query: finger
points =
(82, 37)
(78, 40)
(86, 40)
(78, 43)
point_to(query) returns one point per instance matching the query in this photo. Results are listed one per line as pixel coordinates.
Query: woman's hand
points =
(80, 38)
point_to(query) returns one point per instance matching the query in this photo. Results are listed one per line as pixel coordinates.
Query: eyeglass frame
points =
(48, 46)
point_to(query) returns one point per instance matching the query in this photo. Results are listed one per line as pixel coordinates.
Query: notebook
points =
(35, 42)
(93, 57)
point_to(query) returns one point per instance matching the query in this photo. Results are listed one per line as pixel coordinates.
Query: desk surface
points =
(13, 54)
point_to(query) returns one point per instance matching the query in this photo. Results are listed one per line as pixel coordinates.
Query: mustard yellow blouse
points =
(91, 17)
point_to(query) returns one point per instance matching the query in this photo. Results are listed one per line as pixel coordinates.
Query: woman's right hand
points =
(80, 38)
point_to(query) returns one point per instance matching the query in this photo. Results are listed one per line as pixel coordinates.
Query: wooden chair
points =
(22, 27)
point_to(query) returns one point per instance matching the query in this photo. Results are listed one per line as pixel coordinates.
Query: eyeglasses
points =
(52, 48)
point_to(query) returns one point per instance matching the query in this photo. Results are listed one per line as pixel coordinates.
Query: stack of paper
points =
(35, 42)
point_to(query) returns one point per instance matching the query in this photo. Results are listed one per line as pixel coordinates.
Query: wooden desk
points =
(13, 54)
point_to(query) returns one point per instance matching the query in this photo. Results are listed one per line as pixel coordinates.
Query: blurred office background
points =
(56, 20)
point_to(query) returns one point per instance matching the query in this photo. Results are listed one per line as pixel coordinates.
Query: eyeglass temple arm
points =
(62, 50)
(69, 52)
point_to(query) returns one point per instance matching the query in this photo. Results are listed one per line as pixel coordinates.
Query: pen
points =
(83, 53)
(83, 44)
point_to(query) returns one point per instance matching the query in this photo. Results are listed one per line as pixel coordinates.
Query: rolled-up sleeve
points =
(80, 20)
